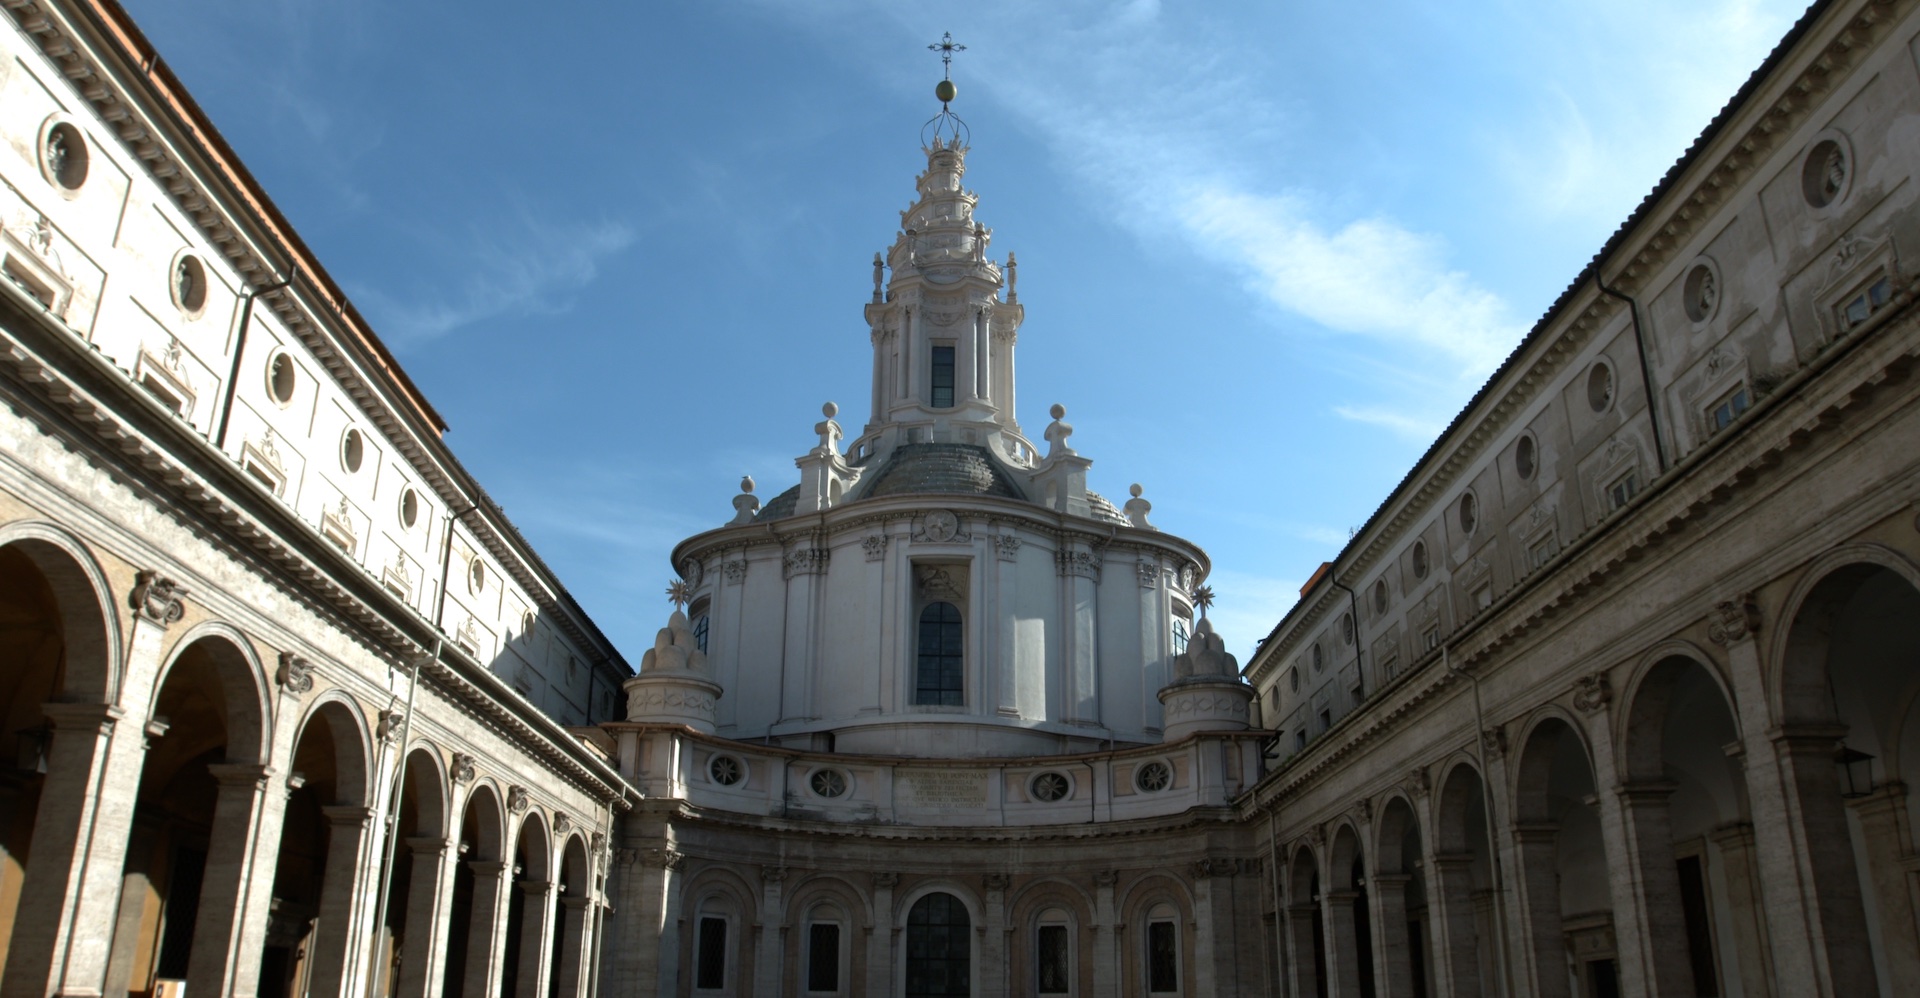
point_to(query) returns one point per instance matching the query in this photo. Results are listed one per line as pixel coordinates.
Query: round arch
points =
(1398, 819)
(238, 676)
(1797, 689)
(352, 745)
(83, 598)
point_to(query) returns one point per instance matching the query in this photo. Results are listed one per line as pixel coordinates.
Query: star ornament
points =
(1202, 598)
(679, 593)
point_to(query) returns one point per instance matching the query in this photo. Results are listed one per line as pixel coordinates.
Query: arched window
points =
(1053, 953)
(939, 948)
(1163, 950)
(938, 678)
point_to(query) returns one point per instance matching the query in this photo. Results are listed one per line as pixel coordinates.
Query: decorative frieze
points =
(940, 526)
(158, 598)
(295, 674)
(735, 571)
(1149, 574)
(875, 547)
(1007, 548)
(807, 561)
(1084, 564)
(1733, 620)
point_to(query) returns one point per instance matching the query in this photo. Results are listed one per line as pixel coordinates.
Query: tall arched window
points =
(938, 679)
(939, 948)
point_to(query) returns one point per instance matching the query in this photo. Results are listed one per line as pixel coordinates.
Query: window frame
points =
(701, 918)
(1054, 918)
(939, 658)
(942, 356)
(840, 964)
(1157, 916)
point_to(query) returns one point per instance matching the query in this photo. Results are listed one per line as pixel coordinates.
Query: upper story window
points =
(1180, 635)
(700, 628)
(710, 955)
(938, 679)
(1722, 413)
(1622, 490)
(939, 947)
(1857, 309)
(63, 155)
(942, 377)
(1525, 457)
(1163, 951)
(1053, 954)
(1600, 387)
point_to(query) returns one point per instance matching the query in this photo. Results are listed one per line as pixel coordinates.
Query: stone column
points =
(1106, 926)
(1456, 952)
(1079, 635)
(1537, 876)
(536, 937)
(880, 938)
(1206, 968)
(486, 939)
(993, 938)
(1884, 832)
(1393, 966)
(227, 935)
(1645, 890)
(1343, 944)
(574, 972)
(1820, 866)
(1300, 949)
(768, 963)
(334, 953)
(49, 921)
(423, 965)
(1747, 922)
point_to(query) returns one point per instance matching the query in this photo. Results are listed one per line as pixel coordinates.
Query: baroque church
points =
(1610, 696)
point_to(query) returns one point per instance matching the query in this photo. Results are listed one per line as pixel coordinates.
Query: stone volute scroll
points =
(1206, 693)
(674, 685)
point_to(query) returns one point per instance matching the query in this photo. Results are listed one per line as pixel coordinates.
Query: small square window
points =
(1326, 719)
(1622, 490)
(1483, 597)
(1542, 551)
(1300, 740)
(1390, 666)
(1431, 638)
(1863, 304)
(1721, 414)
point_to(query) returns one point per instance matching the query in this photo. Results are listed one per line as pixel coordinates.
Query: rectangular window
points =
(1163, 958)
(1300, 740)
(1622, 490)
(1432, 638)
(1542, 551)
(823, 956)
(35, 289)
(1483, 597)
(1390, 666)
(942, 378)
(711, 963)
(1862, 305)
(1326, 719)
(1051, 958)
(1724, 412)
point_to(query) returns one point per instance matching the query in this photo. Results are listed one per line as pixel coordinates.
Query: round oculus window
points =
(476, 576)
(1700, 293)
(526, 624)
(726, 770)
(1293, 680)
(1600, 387)
(1469, 513)
(1380, 596)
(1346, 628)
(1050, 787)
(1153, 777)
(190, 285)
(63, 156)
(1823, 176)
(409, 507)
(282, 378)
(828, 783)
(1525, 457)
(1319, 659)
(1419, 559)
(353, 450)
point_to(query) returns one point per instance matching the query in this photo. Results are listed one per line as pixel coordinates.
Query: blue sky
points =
(1267, 248)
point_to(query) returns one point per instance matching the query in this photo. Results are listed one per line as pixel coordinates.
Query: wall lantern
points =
(1858, 766)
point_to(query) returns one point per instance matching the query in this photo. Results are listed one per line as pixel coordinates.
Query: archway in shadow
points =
(54, 641)
(1400, 898)
(186, 866)
(1560, 866)
(1685, 812)
(1463, 905)
(567, 972)
(476, 896)
(418, 844)
(1849, 667)
(527, 917)
(1309, 929)
(1349, 924)
(321, 844)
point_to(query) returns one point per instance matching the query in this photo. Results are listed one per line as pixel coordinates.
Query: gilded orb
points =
(944, 90)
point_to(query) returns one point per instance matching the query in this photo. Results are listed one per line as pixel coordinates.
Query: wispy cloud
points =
(1414, 428)
(525, 267)
(1247, 608)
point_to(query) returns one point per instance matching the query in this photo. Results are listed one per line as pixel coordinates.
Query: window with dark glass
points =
(939, 948)
(1051, 958)
(823, 956)
(1180, 636)
(711, 964)
(938, 678)
(700, 625)
(942, 377)
(1163, 958)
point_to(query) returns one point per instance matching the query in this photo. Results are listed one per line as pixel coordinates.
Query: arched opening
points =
(525, 960)
(1561, 868)
(1349, 918)
(1463, 905)
(1849, 671)
(1307, 926)
(405, 951)
(322, 836)
(939, 948)
(940, 677)
(572, 914)
(186, 870)
(53, 639)
(1685, 811)
(474, 909)
(1400, 901)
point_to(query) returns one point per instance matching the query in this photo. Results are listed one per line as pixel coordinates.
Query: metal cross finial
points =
(946, 46)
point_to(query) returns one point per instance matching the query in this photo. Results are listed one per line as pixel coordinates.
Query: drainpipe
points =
(1353, 612)
(446, 562)
(392, 819)
(239, 348)
(1646, 369)
(1486, 801)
